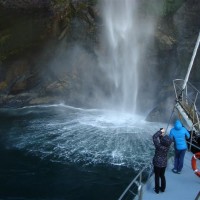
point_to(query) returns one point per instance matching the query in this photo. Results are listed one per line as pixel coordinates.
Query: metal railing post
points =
(140, 188)
(191, 136)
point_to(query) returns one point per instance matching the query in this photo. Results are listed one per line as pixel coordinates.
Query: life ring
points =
(194, 163)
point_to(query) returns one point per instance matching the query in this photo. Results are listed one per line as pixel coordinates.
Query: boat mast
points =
(179, 97)
(191, 62)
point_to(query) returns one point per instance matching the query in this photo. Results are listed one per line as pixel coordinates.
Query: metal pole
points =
(191, 62)
(191, 136)
(140, 188)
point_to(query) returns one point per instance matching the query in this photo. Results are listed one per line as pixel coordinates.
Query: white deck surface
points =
(184, 186)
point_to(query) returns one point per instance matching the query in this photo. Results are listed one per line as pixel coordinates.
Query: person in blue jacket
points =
(179, 135)
(162, 144)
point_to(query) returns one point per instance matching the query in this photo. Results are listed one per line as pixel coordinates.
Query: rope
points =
(170, 118)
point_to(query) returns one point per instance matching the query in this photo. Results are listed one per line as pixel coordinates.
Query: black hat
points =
(166, 141)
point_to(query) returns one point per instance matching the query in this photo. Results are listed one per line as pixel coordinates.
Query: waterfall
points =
(125, 37)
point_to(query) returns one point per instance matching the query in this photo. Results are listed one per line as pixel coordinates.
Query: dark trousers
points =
(160, 175)
(178, 160)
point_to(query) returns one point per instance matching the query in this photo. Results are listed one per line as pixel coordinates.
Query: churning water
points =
(61, 152)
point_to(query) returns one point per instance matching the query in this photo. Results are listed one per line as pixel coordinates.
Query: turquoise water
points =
(61, 152)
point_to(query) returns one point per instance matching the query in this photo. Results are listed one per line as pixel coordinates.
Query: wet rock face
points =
(173, 62)
(25, 3)
(187, 23)
(24, 64)
(79, 20)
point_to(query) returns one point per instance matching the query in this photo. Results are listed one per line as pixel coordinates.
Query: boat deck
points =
(184, 186)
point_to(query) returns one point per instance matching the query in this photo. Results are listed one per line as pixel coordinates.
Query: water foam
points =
(83, 137)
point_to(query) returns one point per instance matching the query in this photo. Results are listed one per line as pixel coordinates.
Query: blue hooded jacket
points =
(178, 133)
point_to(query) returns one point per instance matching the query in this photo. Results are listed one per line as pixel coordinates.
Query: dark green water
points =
(27, 177)
(59, 152)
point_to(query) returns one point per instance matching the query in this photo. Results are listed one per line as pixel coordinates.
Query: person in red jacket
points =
(162, 144)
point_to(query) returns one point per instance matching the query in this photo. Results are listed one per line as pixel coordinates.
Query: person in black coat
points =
(162, 144)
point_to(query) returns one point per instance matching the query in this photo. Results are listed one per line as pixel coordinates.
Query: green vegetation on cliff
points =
(162, 8)
(171, 6)
(19, 32)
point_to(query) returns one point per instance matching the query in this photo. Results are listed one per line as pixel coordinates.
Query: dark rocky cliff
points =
(182, 30)
(33, 32)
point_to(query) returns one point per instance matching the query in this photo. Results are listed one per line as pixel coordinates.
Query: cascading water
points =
(126, 36)
(62, 152)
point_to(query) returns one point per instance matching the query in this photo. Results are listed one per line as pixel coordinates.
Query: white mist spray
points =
(125, 39)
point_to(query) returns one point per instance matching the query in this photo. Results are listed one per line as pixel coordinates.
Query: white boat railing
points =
(189, 100)
(135, 187)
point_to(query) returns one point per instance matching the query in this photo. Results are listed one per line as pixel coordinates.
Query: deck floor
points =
(184, 186)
